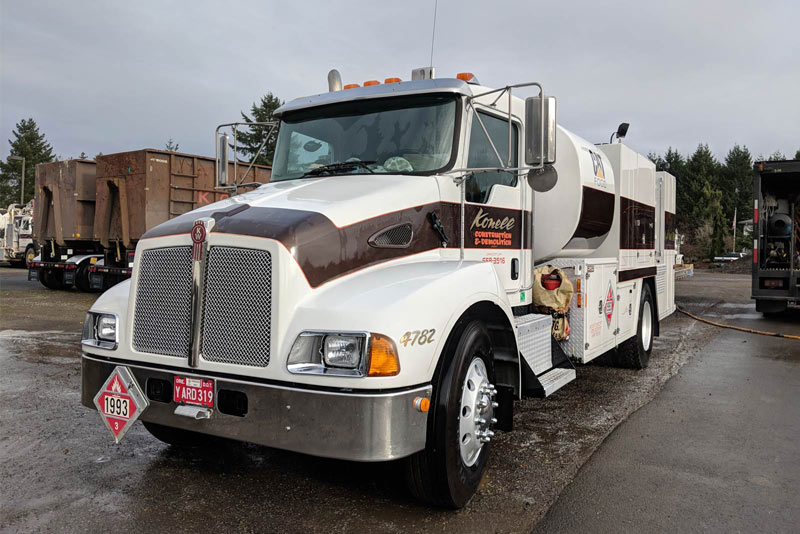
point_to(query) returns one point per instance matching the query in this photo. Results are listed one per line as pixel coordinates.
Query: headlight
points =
(342, 351)
(100, 330)
(343, 354)
(107, 328)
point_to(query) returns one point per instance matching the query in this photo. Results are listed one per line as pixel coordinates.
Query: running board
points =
(555, 379)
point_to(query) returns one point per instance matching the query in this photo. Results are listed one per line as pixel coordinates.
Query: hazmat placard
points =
(120, 402)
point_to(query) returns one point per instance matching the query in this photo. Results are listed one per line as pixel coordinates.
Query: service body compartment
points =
(593, 311)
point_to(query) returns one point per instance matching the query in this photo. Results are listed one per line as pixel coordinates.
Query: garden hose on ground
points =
(739, 328)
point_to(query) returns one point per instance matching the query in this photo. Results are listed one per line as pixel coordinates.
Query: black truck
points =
(776, 235)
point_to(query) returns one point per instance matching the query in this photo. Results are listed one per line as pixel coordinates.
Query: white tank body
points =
(574, 218)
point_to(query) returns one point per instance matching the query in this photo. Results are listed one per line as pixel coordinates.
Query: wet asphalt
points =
(62, 472)
(717, 450)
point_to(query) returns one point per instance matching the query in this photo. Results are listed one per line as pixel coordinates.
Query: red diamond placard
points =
(120, 402)
(609, 307)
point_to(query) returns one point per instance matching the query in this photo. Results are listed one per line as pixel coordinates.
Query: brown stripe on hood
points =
(324, 251)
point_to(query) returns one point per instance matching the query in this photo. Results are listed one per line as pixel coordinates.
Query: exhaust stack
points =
(334, 81)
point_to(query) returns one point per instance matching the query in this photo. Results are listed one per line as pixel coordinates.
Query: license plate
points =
(197, 391)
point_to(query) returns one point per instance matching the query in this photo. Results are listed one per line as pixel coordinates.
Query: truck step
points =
(555, 379)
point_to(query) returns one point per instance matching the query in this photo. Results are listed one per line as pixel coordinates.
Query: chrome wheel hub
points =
(476, 413)
(647, 325)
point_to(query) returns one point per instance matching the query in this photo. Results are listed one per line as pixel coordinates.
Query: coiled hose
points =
(739, 328)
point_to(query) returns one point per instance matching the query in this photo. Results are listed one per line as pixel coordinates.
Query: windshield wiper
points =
(332, 168)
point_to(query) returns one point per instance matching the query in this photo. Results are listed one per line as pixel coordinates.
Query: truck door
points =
(495, 223)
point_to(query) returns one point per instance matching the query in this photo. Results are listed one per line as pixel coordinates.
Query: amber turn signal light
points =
(351, 86)
(371, 82)
(392, 80)
(465, 76)
(383, 360)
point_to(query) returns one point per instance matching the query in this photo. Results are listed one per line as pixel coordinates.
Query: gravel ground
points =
(63, 472)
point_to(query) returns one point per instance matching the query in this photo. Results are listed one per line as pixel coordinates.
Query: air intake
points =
(397, 236)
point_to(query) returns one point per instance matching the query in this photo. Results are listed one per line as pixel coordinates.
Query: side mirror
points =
(533, 129)
(543, 180)
(222, 160)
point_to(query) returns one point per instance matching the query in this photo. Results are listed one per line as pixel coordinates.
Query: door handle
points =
(600, 307)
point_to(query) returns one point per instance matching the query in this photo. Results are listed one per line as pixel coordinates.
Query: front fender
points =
(415, 304)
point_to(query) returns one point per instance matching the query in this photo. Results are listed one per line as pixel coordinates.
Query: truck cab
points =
(374, 301)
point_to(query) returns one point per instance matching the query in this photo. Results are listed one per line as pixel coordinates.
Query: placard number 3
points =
(418, 337)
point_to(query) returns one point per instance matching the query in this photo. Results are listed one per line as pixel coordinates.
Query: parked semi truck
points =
(64, 221)
(374, 302)
(16, 228)
(139, 190)
(776, 235)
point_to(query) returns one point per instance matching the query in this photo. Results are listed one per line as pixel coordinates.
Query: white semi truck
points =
(16, 229)
(373, 302)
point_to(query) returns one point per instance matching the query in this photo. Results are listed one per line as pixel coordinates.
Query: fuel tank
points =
(575, 217)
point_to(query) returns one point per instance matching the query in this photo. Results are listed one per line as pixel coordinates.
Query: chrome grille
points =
(237, 306)
(162, 319)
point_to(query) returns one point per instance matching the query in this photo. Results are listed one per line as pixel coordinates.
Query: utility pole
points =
(736, 196)
(22, 181)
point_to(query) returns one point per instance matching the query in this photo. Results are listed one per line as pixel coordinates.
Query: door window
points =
(482, 155)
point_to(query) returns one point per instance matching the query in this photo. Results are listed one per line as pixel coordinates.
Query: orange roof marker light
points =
(392, 80)
(371, 82)
(467, 77)
(351, 86)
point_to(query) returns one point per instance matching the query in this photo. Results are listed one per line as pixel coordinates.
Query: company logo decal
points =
(598, 169)
(487, 231)
(198, 238)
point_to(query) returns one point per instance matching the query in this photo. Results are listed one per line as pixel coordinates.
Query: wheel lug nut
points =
(495, 404)
(493, 421)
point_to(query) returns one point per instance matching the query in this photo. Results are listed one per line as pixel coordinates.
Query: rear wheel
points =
(449, 470)
(51, 279)
(177, 437)
(634, 353)
(82, 281)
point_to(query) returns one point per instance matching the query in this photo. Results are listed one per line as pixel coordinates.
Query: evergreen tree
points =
(701, 169)
(249, 141)
(777, 156)
(797, 154)
(171, 146)
(712, 199)
(683, 200)
(30, 144)
(83, 155)
(738, 174)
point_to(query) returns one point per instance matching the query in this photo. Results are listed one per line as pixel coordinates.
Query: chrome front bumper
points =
(363, 427)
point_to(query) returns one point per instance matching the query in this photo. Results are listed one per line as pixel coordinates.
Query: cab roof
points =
(440, 85)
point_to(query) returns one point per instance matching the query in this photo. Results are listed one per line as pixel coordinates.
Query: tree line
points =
(709, 193)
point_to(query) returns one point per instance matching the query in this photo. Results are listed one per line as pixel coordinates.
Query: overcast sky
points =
(114, 76)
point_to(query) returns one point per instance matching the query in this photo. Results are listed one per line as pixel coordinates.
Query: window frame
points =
(516, 124)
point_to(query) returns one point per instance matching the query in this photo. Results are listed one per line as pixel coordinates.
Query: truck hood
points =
(329, 224)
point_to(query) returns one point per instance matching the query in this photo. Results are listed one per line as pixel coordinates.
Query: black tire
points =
(770, 307)
(438, 475)
(634, 353)
(51, 279)
(30, 253)
(177, 437)
(82, 281)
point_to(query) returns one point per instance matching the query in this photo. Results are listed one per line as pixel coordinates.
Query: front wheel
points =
(449, 470)
(30, 254)
(634, 353)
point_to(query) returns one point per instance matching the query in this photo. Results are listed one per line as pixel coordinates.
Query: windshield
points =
(401, 135)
